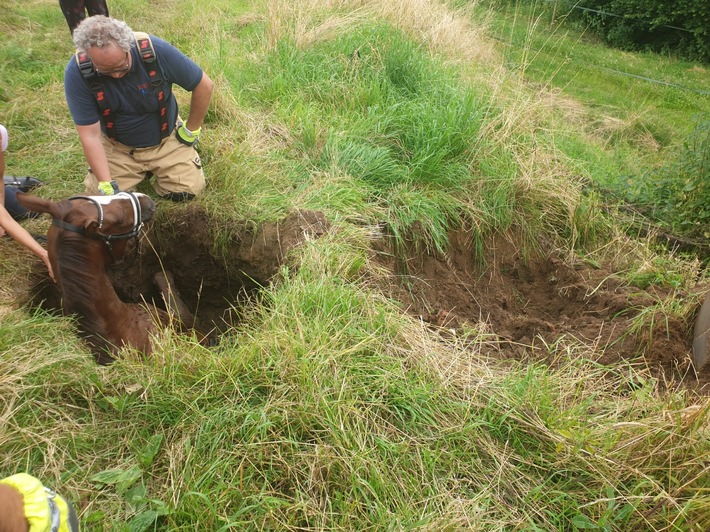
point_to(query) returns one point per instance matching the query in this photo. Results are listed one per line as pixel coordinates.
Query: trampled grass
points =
(328, 408)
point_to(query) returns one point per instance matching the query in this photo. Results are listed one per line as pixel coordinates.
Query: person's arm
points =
(90, 138)
(199, 102)
(15, 230)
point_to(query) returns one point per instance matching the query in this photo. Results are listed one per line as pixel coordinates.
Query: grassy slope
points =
(631, 123)
(328, 409)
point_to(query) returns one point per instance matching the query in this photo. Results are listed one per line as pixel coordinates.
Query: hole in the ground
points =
(215, 287)
(517, 301)
(538, 301)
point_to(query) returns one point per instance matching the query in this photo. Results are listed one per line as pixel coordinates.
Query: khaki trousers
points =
(176, 167)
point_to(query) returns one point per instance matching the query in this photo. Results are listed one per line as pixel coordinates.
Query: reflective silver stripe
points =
(53, 510)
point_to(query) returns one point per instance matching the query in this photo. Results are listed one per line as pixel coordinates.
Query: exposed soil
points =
(530, 303)
(524, 303)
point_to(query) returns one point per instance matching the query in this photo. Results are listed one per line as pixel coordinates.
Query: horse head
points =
(87, 234)
(109, 219)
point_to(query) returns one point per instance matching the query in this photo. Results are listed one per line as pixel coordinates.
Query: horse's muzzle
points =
(147, 207)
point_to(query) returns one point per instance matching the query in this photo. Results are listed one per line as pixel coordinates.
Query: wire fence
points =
(621, 72)
(606, 13)
(651, 80)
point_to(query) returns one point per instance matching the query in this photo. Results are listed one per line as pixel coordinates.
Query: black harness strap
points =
(97, 87)
(152, 68)
(147, 53)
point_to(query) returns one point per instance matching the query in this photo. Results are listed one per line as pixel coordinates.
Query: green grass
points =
(640, 123)
(328, 408)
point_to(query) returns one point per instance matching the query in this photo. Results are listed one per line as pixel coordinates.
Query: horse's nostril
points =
(147, 209)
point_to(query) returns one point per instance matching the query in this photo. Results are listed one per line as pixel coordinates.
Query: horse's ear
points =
(37, 204)
(91, 227)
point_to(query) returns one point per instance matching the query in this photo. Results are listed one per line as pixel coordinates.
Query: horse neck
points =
(86, 288)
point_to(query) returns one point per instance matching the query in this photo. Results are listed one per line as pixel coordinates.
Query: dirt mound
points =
(525, 303)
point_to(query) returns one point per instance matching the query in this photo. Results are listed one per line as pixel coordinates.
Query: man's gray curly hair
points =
(100, 31)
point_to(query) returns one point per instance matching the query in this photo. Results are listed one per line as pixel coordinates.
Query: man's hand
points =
(187, 137)
(108, 188)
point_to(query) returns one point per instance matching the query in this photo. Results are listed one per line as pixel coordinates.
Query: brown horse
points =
(89, 233)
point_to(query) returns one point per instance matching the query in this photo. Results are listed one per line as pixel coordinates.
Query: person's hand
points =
(45, 258)
(187, 137)
(108, 188)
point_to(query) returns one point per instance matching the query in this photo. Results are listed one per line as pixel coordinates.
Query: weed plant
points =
(678, 194)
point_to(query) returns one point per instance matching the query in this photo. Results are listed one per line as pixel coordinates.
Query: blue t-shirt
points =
(131, 97)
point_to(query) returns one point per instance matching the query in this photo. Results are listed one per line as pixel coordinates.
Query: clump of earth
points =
(525, 303)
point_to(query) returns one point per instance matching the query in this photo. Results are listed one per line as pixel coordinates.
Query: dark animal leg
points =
(166, 283)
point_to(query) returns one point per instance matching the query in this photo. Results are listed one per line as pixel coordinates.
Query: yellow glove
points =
(108, 188)
(186, 136)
